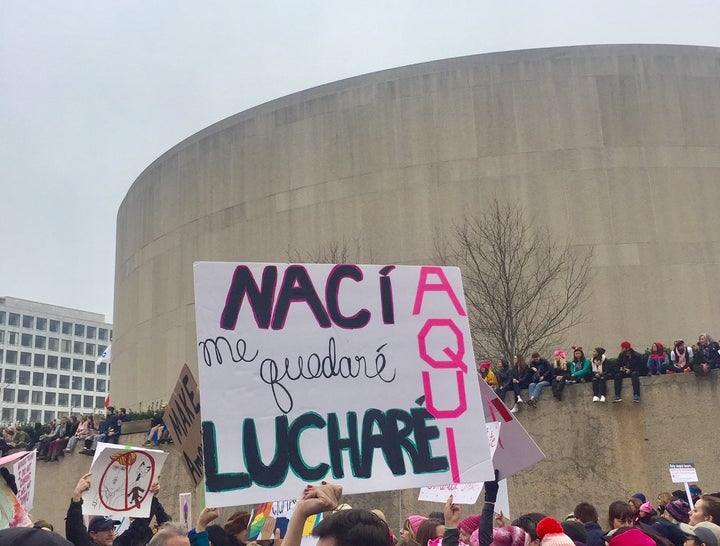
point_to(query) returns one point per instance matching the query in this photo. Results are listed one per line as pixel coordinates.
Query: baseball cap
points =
(706, 531)
(102, 523)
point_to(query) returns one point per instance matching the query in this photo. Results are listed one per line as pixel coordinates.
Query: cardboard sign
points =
(683, 472)
(121, 480)
(516, 450)
(182, 418)
(24, 471)
(358, 374)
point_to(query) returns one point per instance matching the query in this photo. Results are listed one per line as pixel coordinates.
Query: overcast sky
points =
(92, 92)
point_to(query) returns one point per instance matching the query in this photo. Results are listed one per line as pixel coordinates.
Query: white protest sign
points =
(185, 504)
(24, 471)
(358, 374)
(463, 493)
(516, 450)
(121, 480)
(683, 472)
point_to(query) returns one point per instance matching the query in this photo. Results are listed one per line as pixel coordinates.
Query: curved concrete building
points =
(614, 147)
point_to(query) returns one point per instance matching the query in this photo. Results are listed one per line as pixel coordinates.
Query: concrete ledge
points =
(134, 427)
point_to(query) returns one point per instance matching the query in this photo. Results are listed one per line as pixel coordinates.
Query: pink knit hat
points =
(415, 522)
(551, 533)
(646, 507)
(503, 536)
(632, 537)
(470, 523)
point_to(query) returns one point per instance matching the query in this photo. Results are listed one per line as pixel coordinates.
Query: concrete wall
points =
(613, 147)
(595, 452)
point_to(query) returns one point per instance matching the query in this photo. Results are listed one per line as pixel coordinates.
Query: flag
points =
(105, 356)
(107, 401)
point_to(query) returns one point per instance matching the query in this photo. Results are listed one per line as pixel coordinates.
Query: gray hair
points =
(168, 530)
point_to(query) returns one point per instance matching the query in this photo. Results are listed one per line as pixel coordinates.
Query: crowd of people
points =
(597, 369)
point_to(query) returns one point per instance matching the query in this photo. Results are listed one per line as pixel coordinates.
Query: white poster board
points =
(358, 374)
(121, 479)
(24, 471)
(683, 472)
(185, 504)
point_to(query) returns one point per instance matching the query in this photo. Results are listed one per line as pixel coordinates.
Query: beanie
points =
(415, 522)
(470, 523)
(679, 509)
(575, 530)
(646, 507)
(638, 496)
(626, 345)
(551, 533)
(509, 536)
(632, 537)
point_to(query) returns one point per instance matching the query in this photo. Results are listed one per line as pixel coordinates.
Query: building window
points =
(49, 416)
(78, 347)
(102, 368)
(24, 377)
(67, 328)
(26, 340)
(64, 363)
(100, 385)
(89, 384)
(89, 366)
(50, 398)
(77, 365)
(28, 321)
(54, 326)
(2, 356)
(90, 349)
(25, 359)
(53, 344)
(91, 332)
(35, 415)
(11, 357)
(9, 395)
(63, 399)
(2, 336)
(7, 415)
(12, 338)
(64, 382)
(52, 362)
(75, 401)
(38, 379)
(10, 376)
(65, 345)
(51, 380)
(14, 319)
(23, 396)
(40, 342)
(36, 397)
(103, 334)
(22, 416)
(41, 324)
(79, 330)
(76, 383)
(2, 317)
(39, 360)
(99, 402)
(87, 401)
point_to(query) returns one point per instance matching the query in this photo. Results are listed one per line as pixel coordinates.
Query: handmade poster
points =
(362, 375)
(182, 418)
(24, 471)
(12, 513)
(185, 504)
(121, 480)
(463, 493)
(516, 450)
(683, 472)
(270, 516)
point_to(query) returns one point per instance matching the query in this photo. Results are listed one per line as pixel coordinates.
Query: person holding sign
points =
(351, 527)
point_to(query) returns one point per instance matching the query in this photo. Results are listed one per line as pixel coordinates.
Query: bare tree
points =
(332, 252)
(522, 288)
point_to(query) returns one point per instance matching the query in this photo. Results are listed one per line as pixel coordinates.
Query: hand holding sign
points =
(319, 498)
(452, 512)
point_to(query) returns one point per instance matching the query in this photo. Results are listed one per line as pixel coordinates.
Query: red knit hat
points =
(626, 345)
(551, 533)
(470, 523)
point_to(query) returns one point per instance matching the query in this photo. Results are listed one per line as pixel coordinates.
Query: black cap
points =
(29, 536)
(102, 523)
